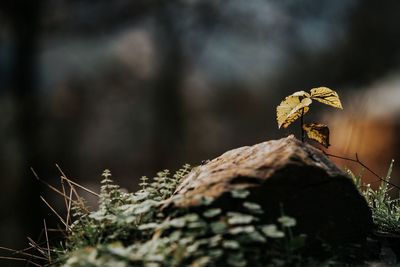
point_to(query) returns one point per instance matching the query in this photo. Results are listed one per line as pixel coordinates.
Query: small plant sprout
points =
(297, 104)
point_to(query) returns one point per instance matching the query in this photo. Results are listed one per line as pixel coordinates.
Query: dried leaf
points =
(291, 108)
(318, 132)
(326, 96)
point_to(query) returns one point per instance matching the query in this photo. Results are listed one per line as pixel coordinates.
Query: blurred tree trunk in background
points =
(24, 17)
(168, 99)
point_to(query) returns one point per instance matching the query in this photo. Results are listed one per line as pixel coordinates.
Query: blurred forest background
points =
(137, 86)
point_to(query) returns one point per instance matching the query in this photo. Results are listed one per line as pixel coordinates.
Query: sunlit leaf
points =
(317, 132)
(301, 93)
(292, 108)
(326, 96)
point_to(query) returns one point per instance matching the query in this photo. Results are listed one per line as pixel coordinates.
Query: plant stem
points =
(358, 161)
(301, 125)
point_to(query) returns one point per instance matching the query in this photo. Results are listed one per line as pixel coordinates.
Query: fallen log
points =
(282, 176)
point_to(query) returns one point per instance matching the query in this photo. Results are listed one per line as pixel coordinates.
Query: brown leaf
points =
(318, 132)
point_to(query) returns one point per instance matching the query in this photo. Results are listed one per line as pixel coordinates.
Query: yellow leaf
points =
(301, 93)
(290, 109)
(326, 96)
(317, 132)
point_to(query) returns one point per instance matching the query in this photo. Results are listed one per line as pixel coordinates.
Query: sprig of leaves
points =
(385, 209)
(213, 237)
(297, 104)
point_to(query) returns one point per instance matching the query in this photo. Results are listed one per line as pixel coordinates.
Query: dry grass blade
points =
(55, 212)
(22, 253)
(55, 230)
(20, 259)
(34, 245)
(47, 240)
(79, 200)
(49, 185)
(64, 193)
(76, 184)
(72, 185)
(69, 208)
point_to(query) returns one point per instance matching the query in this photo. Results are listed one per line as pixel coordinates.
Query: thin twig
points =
(358, 161)
(47, 240)
(301, 125)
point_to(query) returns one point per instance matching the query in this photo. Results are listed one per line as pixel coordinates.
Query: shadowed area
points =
(140, 86)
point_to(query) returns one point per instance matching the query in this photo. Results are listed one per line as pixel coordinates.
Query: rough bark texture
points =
(286, 175)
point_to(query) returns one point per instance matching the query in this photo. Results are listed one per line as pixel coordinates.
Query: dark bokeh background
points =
(142, 85)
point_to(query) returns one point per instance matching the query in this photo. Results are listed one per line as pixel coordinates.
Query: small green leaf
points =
(212, 213)
(240, 218)
(240, 193)
(242, 229)
(218, 227)
(231, 244)
(287, 221)
(253, 207)
(272, 231)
